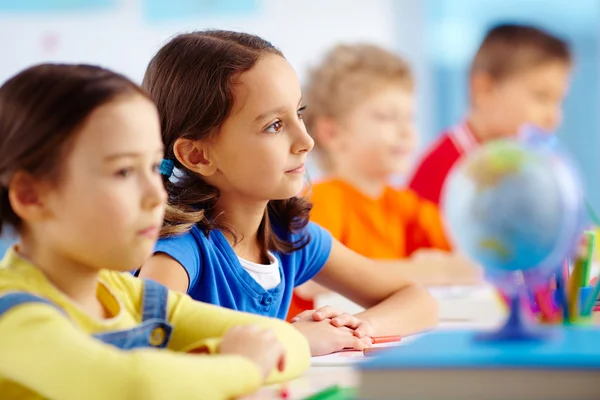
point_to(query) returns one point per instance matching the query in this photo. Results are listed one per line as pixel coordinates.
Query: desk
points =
(460, 308)
(313, 381)
(319, 377)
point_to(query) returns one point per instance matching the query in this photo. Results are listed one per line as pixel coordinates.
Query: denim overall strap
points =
(14, 299)
(154, 301)
(153, 331)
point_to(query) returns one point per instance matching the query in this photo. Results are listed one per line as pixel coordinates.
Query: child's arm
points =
(164, 269)
(201, 325)
(395, 305)
(176, 262)
(432, 267)
(431, 261)
(45, 352)
(310, 290)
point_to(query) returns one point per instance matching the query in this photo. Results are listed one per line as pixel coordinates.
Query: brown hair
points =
(347, 74)
(190, 80)
(510, 48)
(41, 109)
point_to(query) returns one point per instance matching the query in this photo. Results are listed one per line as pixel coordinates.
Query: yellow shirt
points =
(47, 354)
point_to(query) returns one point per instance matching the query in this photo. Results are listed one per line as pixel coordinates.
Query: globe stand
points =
(518, 326)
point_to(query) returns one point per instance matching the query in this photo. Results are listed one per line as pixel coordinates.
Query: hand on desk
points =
(338, 319)
(329, 330)
(257, 344)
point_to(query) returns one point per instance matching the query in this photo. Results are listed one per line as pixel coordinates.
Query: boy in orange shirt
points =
(360, 113)
(520, 75)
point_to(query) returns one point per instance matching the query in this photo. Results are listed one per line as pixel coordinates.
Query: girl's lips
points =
(297, 170)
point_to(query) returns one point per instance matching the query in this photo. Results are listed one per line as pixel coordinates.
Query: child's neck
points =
(480, 128)
(244, 218)
(370, 186)
(76, 281)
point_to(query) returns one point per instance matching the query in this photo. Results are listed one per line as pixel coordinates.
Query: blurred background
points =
(438, 38)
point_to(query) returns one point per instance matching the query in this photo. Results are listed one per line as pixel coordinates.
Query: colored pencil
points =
(546, 306)
(588, 307)
(561, 287)
(284, 391)
(573, 289)
(589, 257)
(386, 339)
(326, 393)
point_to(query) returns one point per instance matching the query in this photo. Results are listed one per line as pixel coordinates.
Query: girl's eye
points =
(301, 112)
(274, 127)
(124, 172)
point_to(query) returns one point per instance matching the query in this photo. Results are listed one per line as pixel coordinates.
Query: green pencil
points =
(587, 267)
(334, 392)
(588, 307)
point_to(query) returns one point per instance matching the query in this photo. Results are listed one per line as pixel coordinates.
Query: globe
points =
(515, 208)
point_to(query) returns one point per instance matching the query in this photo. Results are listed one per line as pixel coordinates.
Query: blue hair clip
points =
(166, 167)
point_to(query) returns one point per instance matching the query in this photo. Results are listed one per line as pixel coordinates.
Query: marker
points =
(386, 339)
(589, 257)
(284, 391)
(326, 393)
(380, 340)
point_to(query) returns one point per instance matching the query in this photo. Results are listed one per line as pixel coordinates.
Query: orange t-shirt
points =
(392, 226)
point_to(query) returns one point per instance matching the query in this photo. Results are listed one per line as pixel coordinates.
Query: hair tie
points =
(166, 167)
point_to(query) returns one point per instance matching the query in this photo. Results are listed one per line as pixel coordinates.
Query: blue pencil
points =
(590, 302)
(561, 288)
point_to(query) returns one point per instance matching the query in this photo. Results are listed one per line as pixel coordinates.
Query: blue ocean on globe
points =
(514, 206)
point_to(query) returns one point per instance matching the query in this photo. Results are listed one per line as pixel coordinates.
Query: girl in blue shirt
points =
(236, 230)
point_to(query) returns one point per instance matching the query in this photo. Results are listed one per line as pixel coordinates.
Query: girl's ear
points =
(27, 197)
(195, 155)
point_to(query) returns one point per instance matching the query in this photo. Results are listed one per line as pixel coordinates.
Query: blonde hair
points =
(346, 75)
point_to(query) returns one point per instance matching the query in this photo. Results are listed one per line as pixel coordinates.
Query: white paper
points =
(350, 357)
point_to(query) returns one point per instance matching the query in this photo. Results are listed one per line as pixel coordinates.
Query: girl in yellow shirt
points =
(80, 152)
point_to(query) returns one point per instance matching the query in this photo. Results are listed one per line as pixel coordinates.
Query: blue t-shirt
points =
(217, 277)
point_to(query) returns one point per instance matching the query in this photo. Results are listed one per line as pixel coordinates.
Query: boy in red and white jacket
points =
(520, 75)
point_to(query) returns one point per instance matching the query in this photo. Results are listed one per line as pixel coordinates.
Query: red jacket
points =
(434, 166)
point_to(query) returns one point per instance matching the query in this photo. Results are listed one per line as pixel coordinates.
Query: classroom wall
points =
(124, 34)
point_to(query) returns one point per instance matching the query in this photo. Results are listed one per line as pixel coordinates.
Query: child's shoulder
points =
(406, 199)
(444, 146)
(189, 241)
(404, 193)
(12, 280)
(18, 275)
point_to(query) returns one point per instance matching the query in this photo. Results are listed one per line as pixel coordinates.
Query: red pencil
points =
(284, 391)
(550, 314)
(380, 340)
(386, 339)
